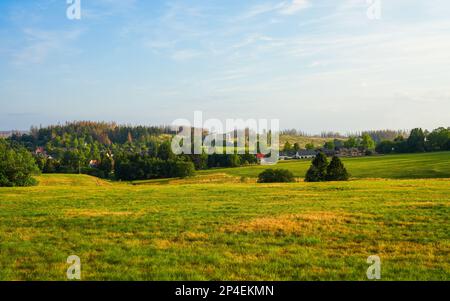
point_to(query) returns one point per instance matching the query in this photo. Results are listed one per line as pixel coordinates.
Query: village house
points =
(40, 151)
(93, 163)
(301, 154)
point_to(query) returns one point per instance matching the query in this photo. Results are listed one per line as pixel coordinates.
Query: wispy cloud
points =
(294, 7)
(284, 8)
(40, 44)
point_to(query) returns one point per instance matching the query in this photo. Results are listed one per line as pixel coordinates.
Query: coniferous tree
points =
(336, 171)
(318, 170)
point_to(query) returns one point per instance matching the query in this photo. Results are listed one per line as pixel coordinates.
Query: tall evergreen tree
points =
(318, 170)
(336, 171)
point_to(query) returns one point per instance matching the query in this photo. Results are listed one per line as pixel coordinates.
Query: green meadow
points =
(220, 226)
(405, 166)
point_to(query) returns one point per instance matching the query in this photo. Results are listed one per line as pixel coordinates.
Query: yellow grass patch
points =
(215, 178)
(95, 213)
(163, 244)
(70, 180)
(241, 257)
(415, 204)
(24, 234)
(194, 236)
(319, 216)
(286, 223)
(136, 242)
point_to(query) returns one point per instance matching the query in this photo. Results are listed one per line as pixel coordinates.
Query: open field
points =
(237, 231)
(407, 166)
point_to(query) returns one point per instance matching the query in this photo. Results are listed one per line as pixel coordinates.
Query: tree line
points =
(418, 141)
(107, 150)
(388, 142)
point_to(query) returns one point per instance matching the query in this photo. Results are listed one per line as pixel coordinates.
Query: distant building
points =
(301, 154)
(40, 151)
(306, 154)
(328, 152)
(350, 152)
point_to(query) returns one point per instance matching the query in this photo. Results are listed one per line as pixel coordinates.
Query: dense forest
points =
(108, 150)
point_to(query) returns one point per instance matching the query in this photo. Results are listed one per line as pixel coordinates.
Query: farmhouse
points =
(40, 151)
(301, 154)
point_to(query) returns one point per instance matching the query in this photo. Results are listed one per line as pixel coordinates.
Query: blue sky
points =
(315, 65)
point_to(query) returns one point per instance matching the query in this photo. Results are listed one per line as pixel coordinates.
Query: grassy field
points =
(407, 166)
(221, 229)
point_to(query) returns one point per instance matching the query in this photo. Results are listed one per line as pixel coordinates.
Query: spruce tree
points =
(336, 171)
(318, 170)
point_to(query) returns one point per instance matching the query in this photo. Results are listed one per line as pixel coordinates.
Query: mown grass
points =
(231, 231)
(405, 166)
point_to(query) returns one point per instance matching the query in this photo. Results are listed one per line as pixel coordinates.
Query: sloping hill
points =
(302, 140)
(70, 180)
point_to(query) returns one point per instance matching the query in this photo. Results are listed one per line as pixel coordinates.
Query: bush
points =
(336, 171)
(276, 176)
(144, 167)
(17, 166)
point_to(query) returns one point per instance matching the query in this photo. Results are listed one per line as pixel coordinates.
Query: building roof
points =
(302, 152)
